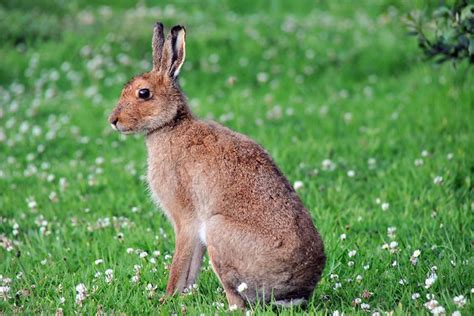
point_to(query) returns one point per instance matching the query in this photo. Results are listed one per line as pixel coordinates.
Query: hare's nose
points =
(113, 123)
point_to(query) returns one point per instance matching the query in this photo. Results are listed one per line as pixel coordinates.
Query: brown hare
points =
(220, 190)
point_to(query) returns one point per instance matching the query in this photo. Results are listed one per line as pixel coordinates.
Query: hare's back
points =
(250, 185)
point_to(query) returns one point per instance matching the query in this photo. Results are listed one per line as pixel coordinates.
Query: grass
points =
(321, 85)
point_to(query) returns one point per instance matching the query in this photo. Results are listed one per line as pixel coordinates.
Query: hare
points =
(220, 190)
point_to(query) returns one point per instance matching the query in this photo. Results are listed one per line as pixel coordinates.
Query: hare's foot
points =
(227, 278)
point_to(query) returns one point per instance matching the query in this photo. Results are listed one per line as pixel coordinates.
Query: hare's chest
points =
(162, 182)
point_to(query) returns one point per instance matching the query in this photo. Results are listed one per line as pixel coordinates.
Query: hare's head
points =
(153, 99)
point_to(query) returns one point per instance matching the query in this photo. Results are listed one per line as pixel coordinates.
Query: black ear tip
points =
(159, 25)
(175, 29)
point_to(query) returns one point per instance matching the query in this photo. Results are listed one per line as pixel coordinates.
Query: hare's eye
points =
(144, 94)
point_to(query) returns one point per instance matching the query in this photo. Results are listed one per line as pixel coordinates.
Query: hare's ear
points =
(174, 51)
(157, 45)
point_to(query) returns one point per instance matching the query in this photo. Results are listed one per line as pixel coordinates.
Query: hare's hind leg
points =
(227, 277)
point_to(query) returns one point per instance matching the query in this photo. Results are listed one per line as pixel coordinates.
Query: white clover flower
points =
(218, 305)
(425, 153)
(371, 162)
(233, 307)
(333, 276)
(391, 231)
(62, 184)
(359, 278)
(347, 117)
(4, 290)
(450, 156)
(350, 263)
(81, 293)
(328, 164)
(242, 287)
(262, 77)
(460, 300)
(97, 274)
(385, 206)
(438, 310)
(109, 275)
(430, 280)
(150, 287)
(414, 257)
(135, 278)
(129, 250)
(415, 296)
(351, 173)
(343, 236)
(143, 254)
(99, 261)
(352, 253)
(418, 162)
(298, 185)
(430, 305)
(62, 300)
(156, 253)
(337, 285)
(365, 306)
(31, 202)
(137, 268)
(357, 300)
(438, 180)
(456, 313)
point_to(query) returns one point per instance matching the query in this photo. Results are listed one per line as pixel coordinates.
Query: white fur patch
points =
(202, 233)
(233, 307)
(290, 303)
(242, 287)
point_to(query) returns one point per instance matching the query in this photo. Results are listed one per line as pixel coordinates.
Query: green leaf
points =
(442, 12)
(471, 48)
(467, 12)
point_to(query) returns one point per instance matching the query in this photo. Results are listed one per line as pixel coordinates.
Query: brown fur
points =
(215, 183)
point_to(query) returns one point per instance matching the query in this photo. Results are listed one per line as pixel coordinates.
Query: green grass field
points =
(381, 141)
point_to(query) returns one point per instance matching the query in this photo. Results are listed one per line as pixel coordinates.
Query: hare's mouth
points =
(121, 129)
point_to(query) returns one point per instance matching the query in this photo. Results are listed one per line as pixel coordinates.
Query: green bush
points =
(448, 35)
